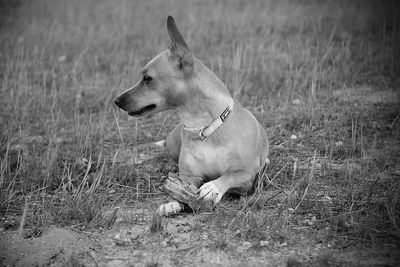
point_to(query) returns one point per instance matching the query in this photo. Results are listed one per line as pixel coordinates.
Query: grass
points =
(62, 63)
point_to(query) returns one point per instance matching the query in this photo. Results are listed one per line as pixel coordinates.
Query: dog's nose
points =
(117, 102)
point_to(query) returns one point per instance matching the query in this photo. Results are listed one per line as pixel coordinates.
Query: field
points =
(80, 180)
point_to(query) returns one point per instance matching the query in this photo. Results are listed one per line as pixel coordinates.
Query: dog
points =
(218, 144)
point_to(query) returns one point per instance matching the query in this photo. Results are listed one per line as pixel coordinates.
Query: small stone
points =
(296, 102)
(121, 239)
(313, 219)
(245, 246)
(62, 59)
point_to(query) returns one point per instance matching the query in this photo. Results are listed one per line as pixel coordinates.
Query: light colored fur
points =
(232, 156)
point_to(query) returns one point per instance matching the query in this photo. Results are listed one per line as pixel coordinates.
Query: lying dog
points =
(219, 145)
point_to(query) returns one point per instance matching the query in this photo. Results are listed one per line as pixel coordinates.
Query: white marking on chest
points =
(207, 160)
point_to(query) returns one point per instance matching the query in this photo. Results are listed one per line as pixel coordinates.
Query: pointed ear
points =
(179, 48)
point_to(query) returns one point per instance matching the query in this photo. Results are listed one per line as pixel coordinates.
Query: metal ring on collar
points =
(201, 135)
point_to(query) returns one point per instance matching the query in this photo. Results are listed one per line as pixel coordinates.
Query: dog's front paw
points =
(209, 191)
(169, 208)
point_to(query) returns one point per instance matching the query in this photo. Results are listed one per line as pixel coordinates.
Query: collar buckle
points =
(225, 114)
(205, 132)
(201, 135)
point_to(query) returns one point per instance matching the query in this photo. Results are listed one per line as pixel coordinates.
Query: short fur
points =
(232, 156)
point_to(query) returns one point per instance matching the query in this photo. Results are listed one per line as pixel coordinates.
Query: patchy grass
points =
(321, 76)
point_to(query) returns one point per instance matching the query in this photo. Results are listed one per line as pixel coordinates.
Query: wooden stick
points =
(180, 190)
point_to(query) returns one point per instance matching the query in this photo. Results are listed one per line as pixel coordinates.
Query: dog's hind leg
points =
(174, 143)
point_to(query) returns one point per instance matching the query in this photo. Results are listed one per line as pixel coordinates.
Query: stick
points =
(180, 190)
(23, 218)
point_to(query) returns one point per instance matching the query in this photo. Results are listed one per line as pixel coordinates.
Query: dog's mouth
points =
(142, 110)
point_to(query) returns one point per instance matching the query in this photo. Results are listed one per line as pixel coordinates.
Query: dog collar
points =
(206, 131)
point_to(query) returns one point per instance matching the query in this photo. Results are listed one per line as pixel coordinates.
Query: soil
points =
(179, 243)
(138, 238)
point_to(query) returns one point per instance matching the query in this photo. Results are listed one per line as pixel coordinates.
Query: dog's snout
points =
(118, 102)
(124, 102)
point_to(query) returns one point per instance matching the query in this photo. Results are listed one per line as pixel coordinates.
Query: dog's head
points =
(164, 79)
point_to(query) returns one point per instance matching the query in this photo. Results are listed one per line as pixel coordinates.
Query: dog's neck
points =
(208, 99)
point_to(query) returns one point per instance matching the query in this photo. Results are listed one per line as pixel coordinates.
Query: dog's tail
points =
(162, 143)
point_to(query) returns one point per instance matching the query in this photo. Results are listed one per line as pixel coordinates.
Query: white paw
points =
(209, 191)
(169, 208)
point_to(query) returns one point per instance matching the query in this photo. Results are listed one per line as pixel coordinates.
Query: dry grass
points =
(63, 62)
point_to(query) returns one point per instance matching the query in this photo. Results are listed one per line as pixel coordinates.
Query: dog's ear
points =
(178, 47)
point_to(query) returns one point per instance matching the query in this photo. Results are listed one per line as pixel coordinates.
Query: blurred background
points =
(54, 50)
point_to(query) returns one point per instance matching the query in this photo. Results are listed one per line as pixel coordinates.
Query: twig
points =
(308, 185)
(240, 212)
(94, 259)
(394, 121)
(23, 218)
(119, 129)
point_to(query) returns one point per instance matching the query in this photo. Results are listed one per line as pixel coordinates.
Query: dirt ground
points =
(130, 243)
(135, 237)
(180, 244)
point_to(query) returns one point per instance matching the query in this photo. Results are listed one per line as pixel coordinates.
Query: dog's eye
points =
(147, 78)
